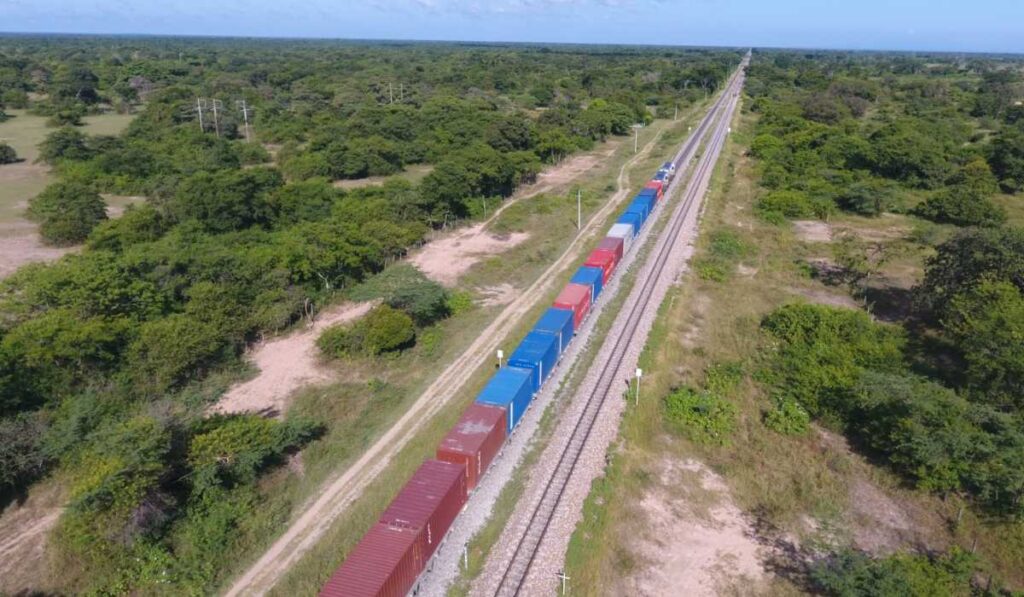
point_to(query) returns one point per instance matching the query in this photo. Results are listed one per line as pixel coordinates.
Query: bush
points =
(702, 416)
(384, 329)
(869, 198)
(855, 574)
(794, 205)
(67, 212)
(820, 352)
(961, 206)
(404, 287)
(22, 459)
(174, 350)
(7, 154)
(788, 418)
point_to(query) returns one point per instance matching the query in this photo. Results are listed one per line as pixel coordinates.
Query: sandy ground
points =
(449, 256)
(24, 533)
(20, 244)
(812, 231)
(316, 516)
(696, 541)
(445, 259)
(285, 364)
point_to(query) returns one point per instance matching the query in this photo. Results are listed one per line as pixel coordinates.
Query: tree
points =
(7, 154)
(854, 574)
(67, 212)
(986, 324)
(966, 260)
(175, 350)
(65, 144)
(869, 197)
(1007, 157)
(22, 459)
(961, 205)
(227, 200)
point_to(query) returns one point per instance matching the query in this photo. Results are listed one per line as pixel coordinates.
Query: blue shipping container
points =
(538, 352)
(652, 193)
(640, 208)
(557, 322)
(589, 276)
(633, 220)
(648, 200)
(512, 389)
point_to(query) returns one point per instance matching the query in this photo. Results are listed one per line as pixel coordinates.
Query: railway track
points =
(518, 567)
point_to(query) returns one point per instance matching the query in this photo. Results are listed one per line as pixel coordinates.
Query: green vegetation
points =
(110, 357)
(853, 574)
(7, 154)
(67, 212)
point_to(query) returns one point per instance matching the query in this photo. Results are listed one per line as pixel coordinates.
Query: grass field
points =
(796, 491)
(413, 173)
(24, 132)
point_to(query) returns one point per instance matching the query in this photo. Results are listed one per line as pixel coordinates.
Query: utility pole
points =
(200, 103)
(579, 210)
(401, 93)
(675, 115)
(216, 122)
(561, 574)
(245, 116)
(636, 137)
(391, 96)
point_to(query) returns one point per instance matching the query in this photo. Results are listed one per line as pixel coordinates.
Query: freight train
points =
(391, 556)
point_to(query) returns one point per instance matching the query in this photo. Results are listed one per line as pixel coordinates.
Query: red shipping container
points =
(429, 502)
(385, 563)
(656, 185)
(604, 260)
(613, 244)
(576, 298)
(475, 441)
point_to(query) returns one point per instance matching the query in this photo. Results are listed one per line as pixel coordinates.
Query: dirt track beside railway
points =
(321, 512)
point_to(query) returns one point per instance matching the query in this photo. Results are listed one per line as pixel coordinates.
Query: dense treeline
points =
(109, 357)
(938, 396)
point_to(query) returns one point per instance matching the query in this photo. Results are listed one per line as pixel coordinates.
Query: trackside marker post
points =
(639, 374)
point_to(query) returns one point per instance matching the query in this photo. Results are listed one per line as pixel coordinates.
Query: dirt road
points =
(318, 515)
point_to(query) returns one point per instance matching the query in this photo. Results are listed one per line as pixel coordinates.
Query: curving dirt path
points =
(319, 514)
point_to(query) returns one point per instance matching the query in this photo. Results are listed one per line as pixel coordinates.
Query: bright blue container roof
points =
(554, 320)
(510, 388)
(539, 352)
(590, 276)
(645, 192)
(631, 218)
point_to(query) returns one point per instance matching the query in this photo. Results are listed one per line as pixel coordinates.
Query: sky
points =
(951, 25)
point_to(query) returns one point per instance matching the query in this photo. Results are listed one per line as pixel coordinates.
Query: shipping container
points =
(510, 388)
(576, 298)
(385, 563)
(651, 193)
(590, 276)
(625, 232)
(641, 208)
(658, 186)
(537, 352)
(604, 260)
(429, 502)
(559, 321)
(631, 219)
(647, 201)
(613, 244)
(475, 440)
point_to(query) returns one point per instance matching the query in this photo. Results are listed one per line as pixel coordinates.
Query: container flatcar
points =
(510, 388)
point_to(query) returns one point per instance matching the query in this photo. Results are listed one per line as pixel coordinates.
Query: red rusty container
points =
(604, 260)
(475, 441)
(576, 298)
(614, 244)
(658, 186)
(429, 502)
(385, 563)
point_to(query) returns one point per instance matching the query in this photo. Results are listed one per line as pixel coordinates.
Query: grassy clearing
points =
(809, 488)
(413, 173)
(373, 396)
(24, 132)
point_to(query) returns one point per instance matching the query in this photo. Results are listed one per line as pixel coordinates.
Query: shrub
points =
(384, 329)
(794, 205)
(855, 574)
(961, 206)
(820, 351)
(788, 418)
(67, 212)
(711, 270)
(22, 458)
(869, 198)
(404, 287)
(7, 153)
(174, 350)
(702, 416)
(460, 301)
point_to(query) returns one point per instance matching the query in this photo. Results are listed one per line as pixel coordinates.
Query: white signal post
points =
(639, 374)
(501, 355)
(561, 574)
